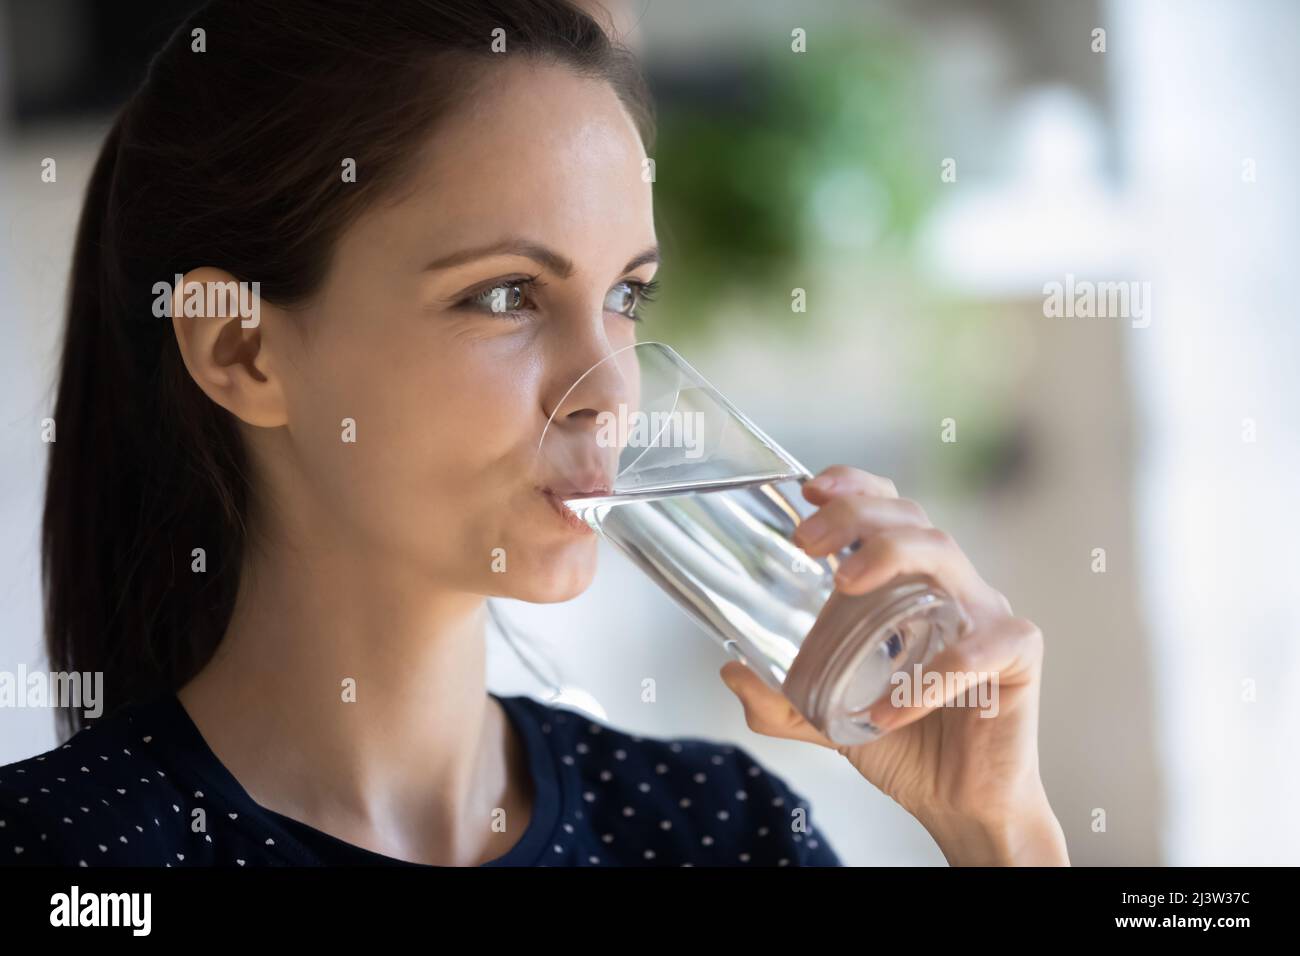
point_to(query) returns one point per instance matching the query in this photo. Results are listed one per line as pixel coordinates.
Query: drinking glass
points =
(706, 504)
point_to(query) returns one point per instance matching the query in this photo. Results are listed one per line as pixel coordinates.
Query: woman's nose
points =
(604, 383)
(579, 451)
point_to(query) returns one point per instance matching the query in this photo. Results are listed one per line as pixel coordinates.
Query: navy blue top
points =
(122, 791)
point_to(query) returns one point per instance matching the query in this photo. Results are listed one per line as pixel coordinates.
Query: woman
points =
(273, 529)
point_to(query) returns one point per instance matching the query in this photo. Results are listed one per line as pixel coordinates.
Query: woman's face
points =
(531, 199)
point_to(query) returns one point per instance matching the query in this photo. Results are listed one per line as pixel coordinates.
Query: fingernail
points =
(882, 717)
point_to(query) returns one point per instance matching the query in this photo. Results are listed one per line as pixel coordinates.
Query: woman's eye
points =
(503, 298)
(514, 296)
(626, 296)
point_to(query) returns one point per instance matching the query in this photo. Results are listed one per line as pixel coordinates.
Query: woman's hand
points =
(971, 780)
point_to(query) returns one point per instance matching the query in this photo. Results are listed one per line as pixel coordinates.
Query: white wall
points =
(1203, 87)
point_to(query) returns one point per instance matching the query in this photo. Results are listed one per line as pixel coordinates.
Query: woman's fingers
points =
(843, 520)
(768, 711)
(971, 672)
(1001, 654)
(841, 479)
(928, 551)
(896, 538)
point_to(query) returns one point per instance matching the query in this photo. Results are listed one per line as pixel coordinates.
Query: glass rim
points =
(691, 372)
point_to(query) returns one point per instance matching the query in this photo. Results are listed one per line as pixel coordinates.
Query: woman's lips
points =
(564, 511)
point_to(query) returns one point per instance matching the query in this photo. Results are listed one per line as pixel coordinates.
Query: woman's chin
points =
(552, 581)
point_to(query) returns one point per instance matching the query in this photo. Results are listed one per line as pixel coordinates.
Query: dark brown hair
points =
(232, 157)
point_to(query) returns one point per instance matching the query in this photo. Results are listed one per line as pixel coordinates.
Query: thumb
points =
(768, 711)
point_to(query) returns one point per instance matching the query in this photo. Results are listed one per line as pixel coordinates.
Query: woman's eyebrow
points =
(559, 264)
(649, 255)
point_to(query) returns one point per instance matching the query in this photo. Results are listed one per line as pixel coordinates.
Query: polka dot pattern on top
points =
(142, 788)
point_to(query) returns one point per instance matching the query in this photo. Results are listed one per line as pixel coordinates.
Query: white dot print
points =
(605, 798)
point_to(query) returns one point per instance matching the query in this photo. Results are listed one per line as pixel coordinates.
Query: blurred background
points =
(922, 170)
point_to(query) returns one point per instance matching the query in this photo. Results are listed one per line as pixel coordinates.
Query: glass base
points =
(860, 642)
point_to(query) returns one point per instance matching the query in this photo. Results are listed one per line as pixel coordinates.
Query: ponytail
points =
(143, 471)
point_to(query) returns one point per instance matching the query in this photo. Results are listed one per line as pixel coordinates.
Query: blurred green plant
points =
(774, 170)
(825, 152)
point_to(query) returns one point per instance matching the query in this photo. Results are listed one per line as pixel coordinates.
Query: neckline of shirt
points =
(544, 818)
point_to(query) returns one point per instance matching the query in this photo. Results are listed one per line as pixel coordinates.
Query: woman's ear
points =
(218, 325)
